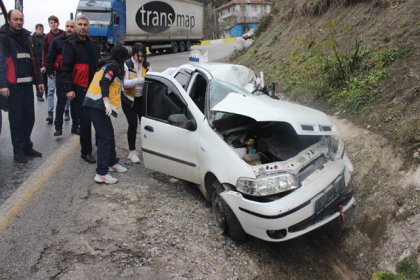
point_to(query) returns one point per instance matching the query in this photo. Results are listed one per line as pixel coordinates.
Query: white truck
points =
(161, 25)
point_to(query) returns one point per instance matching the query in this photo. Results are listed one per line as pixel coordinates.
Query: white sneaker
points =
(117, 168)
(134, 156)
(107, 179)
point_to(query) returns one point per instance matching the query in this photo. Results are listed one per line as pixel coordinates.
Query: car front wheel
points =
(224, 217)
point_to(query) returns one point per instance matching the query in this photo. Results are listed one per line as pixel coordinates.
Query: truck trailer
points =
(171, 26)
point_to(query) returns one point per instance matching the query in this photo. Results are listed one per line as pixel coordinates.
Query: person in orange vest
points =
(136, 68)
(103, 100)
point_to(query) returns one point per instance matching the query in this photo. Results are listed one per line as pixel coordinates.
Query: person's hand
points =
(70, 95)
(140, 81)
(4, 91)
(41, 88)
(43, 69)
(108, 110)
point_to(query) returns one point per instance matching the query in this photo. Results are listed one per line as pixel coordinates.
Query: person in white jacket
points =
(135, 68)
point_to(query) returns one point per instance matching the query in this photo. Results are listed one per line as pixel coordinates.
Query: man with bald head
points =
(53, 64)
(18, 72)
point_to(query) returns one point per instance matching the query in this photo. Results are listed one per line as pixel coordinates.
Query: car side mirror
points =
(180, 120)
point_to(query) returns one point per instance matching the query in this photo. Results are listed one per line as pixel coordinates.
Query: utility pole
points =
(19, 5)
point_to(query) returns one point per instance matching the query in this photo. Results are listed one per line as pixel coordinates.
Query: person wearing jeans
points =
(53, 63)
(53, 22)
(103, 100)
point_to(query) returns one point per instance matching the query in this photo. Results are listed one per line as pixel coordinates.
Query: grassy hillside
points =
(355, 59)
(358, 61)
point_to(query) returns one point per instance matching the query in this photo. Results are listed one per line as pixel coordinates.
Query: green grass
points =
(407, 269)
(347, 73)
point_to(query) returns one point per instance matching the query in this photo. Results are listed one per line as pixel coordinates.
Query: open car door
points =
(169, 129)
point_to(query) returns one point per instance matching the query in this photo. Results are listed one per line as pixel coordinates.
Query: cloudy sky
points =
(38, 11)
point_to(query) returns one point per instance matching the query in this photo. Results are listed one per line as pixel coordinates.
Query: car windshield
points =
(220, 89)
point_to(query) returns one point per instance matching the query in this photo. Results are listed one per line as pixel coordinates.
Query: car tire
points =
(224, 217)
(153, 51)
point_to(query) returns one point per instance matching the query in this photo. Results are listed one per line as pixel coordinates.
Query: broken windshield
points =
(220, 89)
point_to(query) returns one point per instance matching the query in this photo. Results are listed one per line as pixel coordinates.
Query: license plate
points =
(331, 195)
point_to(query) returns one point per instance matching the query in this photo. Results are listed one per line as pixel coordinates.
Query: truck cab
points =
(106, 21)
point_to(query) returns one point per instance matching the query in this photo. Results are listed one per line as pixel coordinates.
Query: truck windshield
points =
(97, 18)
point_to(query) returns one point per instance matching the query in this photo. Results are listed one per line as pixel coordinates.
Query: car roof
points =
(232, 73)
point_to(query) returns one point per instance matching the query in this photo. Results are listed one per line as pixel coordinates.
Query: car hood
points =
(304, 120)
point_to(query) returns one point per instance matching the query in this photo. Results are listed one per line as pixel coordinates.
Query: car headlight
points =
(268, 185)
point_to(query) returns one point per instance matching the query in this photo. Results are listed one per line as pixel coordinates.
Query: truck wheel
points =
(188, 46)
(224, 217)
(181, 46)
(174, 47)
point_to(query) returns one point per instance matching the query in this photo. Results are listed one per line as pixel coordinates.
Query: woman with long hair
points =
(103, 100)
(136, 68)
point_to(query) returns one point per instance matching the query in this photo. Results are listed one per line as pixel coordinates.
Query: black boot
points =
(20, 157)
(58, 132)
(32, 153)
(49, 119)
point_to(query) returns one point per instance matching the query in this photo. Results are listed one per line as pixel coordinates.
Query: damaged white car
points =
(272, 169)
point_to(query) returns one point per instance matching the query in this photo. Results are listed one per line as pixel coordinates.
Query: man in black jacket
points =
(18, 71)
(80, 59)
(53, 64)
(38, 45)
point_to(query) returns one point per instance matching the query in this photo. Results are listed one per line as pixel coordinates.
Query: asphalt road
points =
(34, 197)
(13, 174)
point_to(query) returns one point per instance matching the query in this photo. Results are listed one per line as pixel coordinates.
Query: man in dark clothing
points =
(53, 63)
(80, 59)
(18, 71)
(38, 45)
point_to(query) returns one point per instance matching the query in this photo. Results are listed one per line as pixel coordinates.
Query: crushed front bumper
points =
(294, 215)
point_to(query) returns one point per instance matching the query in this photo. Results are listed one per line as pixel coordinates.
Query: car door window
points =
(183, 77)
(198, 91)
(162, 101)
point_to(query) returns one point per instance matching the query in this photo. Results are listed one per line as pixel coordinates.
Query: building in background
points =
(238, 16)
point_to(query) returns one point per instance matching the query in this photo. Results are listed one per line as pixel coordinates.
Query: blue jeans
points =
(50, 94)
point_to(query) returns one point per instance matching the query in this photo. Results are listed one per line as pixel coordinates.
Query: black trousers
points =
(61, 102)
(81, 119)
(133, 114)
(21, 116)
(105, 140)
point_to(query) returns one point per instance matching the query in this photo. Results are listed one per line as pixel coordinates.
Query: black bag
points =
(3, 103)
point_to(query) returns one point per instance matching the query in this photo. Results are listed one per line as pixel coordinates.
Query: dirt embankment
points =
(383, 138)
